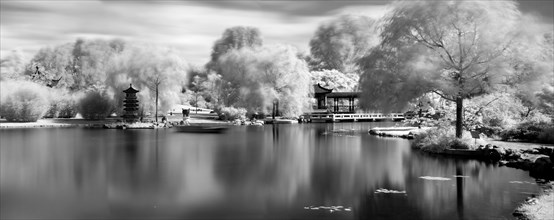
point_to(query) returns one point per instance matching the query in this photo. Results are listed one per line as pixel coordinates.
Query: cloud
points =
(287, 7)
(190, 26)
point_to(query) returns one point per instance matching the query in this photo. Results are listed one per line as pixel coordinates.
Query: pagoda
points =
(130, 105)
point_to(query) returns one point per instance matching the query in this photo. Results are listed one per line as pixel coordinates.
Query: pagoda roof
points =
(130, 89)
(320, 89)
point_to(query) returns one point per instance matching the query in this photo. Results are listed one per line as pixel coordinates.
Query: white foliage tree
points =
(333, 79)
(256, 77)
(149, 68)
(339, 43)
(456, 49)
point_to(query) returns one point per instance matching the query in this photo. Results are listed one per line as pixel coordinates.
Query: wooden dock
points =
(332, 117)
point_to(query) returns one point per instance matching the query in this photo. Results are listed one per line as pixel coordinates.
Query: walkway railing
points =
(356, 116)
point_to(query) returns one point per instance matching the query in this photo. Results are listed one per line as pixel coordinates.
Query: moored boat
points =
(200, 129)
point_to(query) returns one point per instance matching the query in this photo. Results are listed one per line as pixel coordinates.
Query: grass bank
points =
(538, 208)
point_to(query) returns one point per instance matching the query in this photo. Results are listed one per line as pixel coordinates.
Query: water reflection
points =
(460, 191)
(249, 172)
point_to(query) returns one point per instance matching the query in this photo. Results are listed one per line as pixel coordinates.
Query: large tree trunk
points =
(459, 116)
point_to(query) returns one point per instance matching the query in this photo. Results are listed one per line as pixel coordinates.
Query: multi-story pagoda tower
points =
(130, 105)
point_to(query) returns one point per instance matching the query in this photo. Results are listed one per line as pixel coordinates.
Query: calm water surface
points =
(269, 172)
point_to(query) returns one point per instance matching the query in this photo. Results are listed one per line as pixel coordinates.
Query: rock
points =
(502, 151)
(494, 154)
(494, 146)
(543, 167)
(517, 213)
(502, 162)
(543, 160)
(488, 146)
(515, 155)
(546, 151)
(549, 151)
(524, 163)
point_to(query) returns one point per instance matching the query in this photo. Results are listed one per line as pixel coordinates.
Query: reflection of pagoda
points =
(130, 104)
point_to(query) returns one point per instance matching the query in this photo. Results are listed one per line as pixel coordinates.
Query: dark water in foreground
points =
(248, 173)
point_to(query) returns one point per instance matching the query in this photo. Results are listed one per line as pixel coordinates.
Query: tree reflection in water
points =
(460, 190)
(249, 172)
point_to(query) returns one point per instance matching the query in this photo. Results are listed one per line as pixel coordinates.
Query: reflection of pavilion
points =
(342, 106)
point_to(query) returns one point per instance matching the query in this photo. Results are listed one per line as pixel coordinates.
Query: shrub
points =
(95, 105)
(62, 104)
(23, 101)
(547, 135)
(533, 131)
(232, 113)
(442, 138)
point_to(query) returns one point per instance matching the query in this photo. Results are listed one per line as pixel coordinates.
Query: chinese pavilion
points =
(337, 105)
(130, 105)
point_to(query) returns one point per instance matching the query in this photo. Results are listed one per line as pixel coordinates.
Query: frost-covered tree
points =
(335, 80)
(50, 64)
(234, 38)
(23, 101)
(12, 66)
(537, 89)
(456, 49)
(75, 66)
(256, 77)
(152, 70)
(339, 43)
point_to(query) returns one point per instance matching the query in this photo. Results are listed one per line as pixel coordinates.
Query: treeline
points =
(458, 51)
(88, 77)
(243, 76)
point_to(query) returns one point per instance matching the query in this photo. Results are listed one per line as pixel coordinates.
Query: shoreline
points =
(149, 123)
(398, 132)
(84, 123)
(535, 158)
(56, 123)
(537, 207)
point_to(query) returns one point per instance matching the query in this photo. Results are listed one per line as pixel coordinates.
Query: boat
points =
(200, 129)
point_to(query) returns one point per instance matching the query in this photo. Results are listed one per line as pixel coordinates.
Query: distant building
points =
(334, 101)
(178, 109)
(130, 105)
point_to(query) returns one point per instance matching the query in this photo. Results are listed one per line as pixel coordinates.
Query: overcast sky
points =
(191, 26)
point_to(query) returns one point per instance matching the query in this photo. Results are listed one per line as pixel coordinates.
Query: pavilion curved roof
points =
(320, 89)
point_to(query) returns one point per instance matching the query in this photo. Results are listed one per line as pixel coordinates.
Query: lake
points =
(299, 171)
